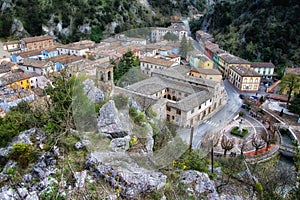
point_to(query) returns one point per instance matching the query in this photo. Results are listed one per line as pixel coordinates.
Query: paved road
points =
(217, 121)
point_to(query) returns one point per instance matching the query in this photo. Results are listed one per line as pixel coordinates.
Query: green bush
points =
(23, 154)
(235, 131)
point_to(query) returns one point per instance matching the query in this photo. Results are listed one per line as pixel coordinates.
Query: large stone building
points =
(179, 98)
(37, 42)
(177, 29)
(148, 64)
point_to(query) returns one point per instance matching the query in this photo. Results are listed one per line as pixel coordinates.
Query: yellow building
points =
(212, 74)
(244, 78)
(19, 79)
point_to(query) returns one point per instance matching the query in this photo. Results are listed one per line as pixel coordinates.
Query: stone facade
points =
(179, 98)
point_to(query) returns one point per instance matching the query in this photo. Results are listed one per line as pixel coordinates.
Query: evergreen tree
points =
(295, 105)
(128, 61)
(185, 47)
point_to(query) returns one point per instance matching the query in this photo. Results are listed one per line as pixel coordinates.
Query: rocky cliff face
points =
(70, 21)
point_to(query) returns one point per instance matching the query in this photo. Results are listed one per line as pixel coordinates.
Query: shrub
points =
(121, 101)
(235, 131)
(23, 154)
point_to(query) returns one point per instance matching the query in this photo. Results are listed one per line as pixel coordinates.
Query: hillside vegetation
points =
(72, 20)
(257, 30)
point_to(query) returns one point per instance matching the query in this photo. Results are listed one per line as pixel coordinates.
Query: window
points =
(178, 112)
(192, 111)
(168, 108)
(173, 117)
(199, 107)
(21, 82)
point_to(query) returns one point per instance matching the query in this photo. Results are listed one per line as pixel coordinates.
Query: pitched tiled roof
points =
(206, 71)
(263, 65)
(34, 63)
(37, 38)
(17, 76)
(5, 66)
(157, 61)
(245, 71)
(27, 54)
(65, 59)
(231, 59)
(292, 71)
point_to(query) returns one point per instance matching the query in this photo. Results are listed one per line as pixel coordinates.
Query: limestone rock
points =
(9, 194)
(44, 167)
(80, 178)
(121, 172)
(109, 122)
(199, 183)
(93, 93)
(120, 144)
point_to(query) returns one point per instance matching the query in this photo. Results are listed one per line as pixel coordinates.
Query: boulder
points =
(93, 93)
(9, 194)
(44, 167)
(109, 121)
(122, 173)
(120, 144)
(199, 184)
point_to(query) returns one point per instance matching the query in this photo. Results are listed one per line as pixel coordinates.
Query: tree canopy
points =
(128, 61)
(290, 83)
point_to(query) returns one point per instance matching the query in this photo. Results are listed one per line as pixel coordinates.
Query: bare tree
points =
(268, 138)
(227, 143)
(257, 143)
(242, 145)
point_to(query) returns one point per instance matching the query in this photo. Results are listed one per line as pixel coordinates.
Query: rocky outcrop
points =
(120, 144)
(122, 173)
(199, 184)
(109, 121)
(93, 93)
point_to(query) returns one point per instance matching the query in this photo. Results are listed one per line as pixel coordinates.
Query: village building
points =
(38, 66)
(157, 34)
(181, 99)
(6, 67)
(36, 43)
(148, 64)
(12, 46)
(76, 48)
(227, 60)
(244, 78)
(126, 41)
(24, 80)
(39, 54)
(265, 69)
(63, 61)
(212, 74)
(196, 59)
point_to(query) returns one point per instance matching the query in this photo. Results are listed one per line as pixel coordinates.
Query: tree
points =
(242, 145)
(290, 83)
(96, 34)
(185, 47)
(128, 61)
(60, 109)
(295, 105)
(269, 138)
(227, 143)
(170, 36)
(257, 143)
